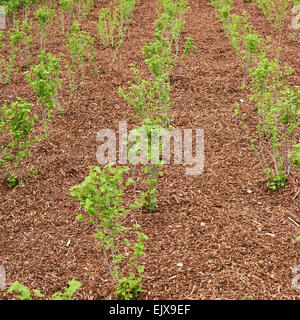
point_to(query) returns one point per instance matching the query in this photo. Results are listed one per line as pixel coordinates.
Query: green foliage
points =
(16, 125)
(109, 27)
(113, 21)
(101, 196)
(223, 8)
(26, 30)
(159, 58)
(248, 44)
(25, 293)
(170, 23)
(188, 48)
(67, 8)
(11, 8)
(275, 11)
(296, 154)
(67, 5)
(278, 117)
(151, 102)
(126, 10)
(19, 40)
(15, 35)
(87, 7)
(277, 102)
(44, 79)
(80, 47)
(129, 288)
(276, 181)
(148, 197)
(146, 136)
(161, 55)
(44, 15)
(69, 292)
(150, 99)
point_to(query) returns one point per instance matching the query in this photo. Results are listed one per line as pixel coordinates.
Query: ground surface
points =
(246, 246)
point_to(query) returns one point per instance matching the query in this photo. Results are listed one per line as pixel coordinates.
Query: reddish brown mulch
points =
(232, 243)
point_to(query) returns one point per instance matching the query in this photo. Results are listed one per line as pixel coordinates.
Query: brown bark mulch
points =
(234, 237)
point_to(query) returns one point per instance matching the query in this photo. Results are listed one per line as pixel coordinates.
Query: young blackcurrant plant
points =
(278, 118)
(43, 15)
(150, 99)
(145, 147)
(275, 11)
(44, 79)
(80, 47)
(13, 46)
(296, 155)
(87, 7)
(16, 128)
(12, 10)
(223, 8)
(26, 29)
(126, 11)
(109, 27)
(66, 10)
(151, 108)
(26, 294)
(101, 196)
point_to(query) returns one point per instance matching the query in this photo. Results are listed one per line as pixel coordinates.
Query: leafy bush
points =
(113, 21)
(16, 125)
(80, 47)
(67, 8)
(25, 292)
(278, 118)
(44, 79)
(109, 27)
(100, 195)
(44, 16)
(275, 11)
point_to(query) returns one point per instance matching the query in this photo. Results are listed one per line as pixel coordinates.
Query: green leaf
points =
(38, 294)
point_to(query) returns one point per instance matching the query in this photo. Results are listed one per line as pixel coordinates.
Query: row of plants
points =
(276, 136)
(44, 76)
(150, 98)
(114, 20)
(45, 80)
(102, 192)
(17, 134)
(68, 8)
(22, 292)
(17, 120)
(17, 42)
(275, 11)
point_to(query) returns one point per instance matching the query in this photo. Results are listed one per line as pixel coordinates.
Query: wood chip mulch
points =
(218, 235)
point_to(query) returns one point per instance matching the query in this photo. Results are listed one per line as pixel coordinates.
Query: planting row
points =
(101, 194)
(276, 136)
(44, 77)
